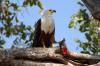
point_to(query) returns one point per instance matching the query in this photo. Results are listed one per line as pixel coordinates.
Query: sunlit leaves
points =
(72, 24)
(88, 36)
(16, 19)
(29, 2)
(28, 28)
(77, 40)
(2, 42)
(24, 36)
(89, 26)
(39, 4)
(15, 6)
(10, 24)
(33, 2)
(31, 36)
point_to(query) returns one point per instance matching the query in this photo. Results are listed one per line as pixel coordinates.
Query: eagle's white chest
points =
(47, 24)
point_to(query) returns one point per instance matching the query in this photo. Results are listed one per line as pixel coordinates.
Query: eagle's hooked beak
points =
(51, 11)
(54, 11)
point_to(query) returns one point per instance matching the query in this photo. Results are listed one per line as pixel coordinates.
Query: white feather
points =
(47, 23)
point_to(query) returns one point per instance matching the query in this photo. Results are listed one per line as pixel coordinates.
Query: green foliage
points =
(72, 24)
(89, 26)
(2, 42)
(32, 2)
(10, 25)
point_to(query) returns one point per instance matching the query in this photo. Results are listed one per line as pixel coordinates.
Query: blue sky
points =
(64, 10)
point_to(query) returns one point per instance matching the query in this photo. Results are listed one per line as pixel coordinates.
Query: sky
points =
(64, 10)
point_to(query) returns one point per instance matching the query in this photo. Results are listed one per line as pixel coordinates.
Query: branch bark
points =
(94, 7)
(31, 56)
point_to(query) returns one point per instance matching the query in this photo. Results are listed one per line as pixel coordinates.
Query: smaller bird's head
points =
(48, 12)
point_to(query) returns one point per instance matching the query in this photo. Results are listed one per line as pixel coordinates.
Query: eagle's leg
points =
(44, 45)
(51, 45)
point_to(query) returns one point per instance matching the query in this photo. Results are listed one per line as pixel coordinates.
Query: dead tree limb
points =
(94, 7)
(22, 56)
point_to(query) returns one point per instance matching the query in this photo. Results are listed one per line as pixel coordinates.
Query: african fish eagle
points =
(44, 30)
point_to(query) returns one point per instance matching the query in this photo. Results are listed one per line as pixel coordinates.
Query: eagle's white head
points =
(47, 21)
(47, 12)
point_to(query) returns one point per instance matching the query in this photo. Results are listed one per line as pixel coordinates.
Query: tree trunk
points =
(94, 7)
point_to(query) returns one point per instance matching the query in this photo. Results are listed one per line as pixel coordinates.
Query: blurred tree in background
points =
(85, 23)
(10, 25)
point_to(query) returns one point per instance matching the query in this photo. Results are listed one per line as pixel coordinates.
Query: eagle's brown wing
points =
(37, 35)
(42, 39)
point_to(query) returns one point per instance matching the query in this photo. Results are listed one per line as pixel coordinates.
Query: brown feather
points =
(41, 38)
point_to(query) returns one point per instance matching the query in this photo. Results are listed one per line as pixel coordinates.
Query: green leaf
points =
(28, 28)
(2, 42)
(71, 24)
(82, 28)
(86, 52)
(12, 46)
(15, 6)
(17, 19)
(25, 3)
(26, 41)
(16, 41)
(31, 36)
(31, 3)
(39, 4)
(22, 26)
(23, 36)
(77, 40)
(88, 37)
(8, 33)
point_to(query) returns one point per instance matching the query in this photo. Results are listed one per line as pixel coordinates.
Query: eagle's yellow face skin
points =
(50, 11)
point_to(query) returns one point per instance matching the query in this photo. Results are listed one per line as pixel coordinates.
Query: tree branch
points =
(94, 7)
(42, 55)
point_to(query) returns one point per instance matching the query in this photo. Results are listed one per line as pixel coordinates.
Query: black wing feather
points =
(41, 38)
(37, 34)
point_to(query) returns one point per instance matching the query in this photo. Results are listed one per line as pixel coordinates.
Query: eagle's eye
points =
(50, 11)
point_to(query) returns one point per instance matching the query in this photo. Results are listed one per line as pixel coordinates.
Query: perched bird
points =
(63, 48)
(44, 30)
